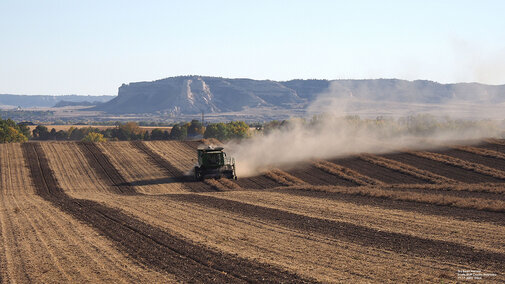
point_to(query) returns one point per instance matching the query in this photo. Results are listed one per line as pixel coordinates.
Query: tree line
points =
(126, 132)
(10, 131)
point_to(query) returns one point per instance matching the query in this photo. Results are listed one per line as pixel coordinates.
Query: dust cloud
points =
(339, 126)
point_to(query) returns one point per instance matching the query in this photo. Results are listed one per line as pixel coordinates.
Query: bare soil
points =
(132, 212)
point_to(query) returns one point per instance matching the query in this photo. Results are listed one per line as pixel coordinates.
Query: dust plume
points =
(332, 129)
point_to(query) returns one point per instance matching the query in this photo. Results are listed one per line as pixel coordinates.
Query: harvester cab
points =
(214, 163)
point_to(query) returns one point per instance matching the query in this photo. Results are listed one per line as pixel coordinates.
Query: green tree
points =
(179, 132)
(41, 133)
(238, 129)
(10, 134)
(158, 134)
(195, 128)
(93, 137)
(217, 130)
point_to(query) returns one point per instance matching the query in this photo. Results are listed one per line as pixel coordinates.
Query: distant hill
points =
(193, 94)
(79, 103)
(29, 101)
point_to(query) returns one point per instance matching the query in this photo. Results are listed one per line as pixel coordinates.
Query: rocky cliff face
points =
(194, 94)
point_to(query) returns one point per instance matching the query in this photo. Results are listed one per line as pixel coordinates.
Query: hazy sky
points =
(92, 47)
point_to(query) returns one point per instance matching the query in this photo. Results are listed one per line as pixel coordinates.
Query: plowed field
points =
(131, 212)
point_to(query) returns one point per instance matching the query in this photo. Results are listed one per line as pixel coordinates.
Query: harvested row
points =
(381, 174)
(284, 178)
(257, 182)
(40, 243)
(437, 199)
(480, 187)
(145, 243)
(406, 169)
(315, 176)
(496, 141)
(486, 160)
(498, 174)
(365, 236)
(446, 170)
(168, 163)
(178, 154)
(482, 152)
(492, 144)
(477, 234)
(104, 168)
(70, 165)
(218, 185)
(350, 262)
(312, 254)
(346, 173)
(140, 170)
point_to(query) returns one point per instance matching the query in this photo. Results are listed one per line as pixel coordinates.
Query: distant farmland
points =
(65, 127)
(127, 212)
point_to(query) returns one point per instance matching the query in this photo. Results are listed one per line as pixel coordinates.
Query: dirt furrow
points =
(478, 156)
(79, 179)
(314, 176)
(317, 256)
(480, 235)
(396, 242)
(497, 174)
(410, 196)
(440, 168)
(372, 171)
(104, 168)
(146, 243)
(346, 173)
(139, 170)
(47, 245)
(406, 169)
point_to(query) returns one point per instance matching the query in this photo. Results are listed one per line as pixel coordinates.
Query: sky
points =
(92, 47)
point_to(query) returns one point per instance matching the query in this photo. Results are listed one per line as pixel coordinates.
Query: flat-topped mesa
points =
(194, 94)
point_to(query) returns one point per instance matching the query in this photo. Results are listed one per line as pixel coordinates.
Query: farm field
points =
(128, 212)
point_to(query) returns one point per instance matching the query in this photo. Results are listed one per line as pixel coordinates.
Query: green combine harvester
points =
(213, 163)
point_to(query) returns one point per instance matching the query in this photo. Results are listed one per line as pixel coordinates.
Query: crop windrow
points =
(283, 178)
(479, 187)
(230, 184)
(436, 199)
(346, 173)
(406, 169)
(481, 151)
(495, 141)
(460, 163)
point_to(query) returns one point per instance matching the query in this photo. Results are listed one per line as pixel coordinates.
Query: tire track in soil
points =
(148, 244)
(170, 169)
(104, 168)
(396, 242)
